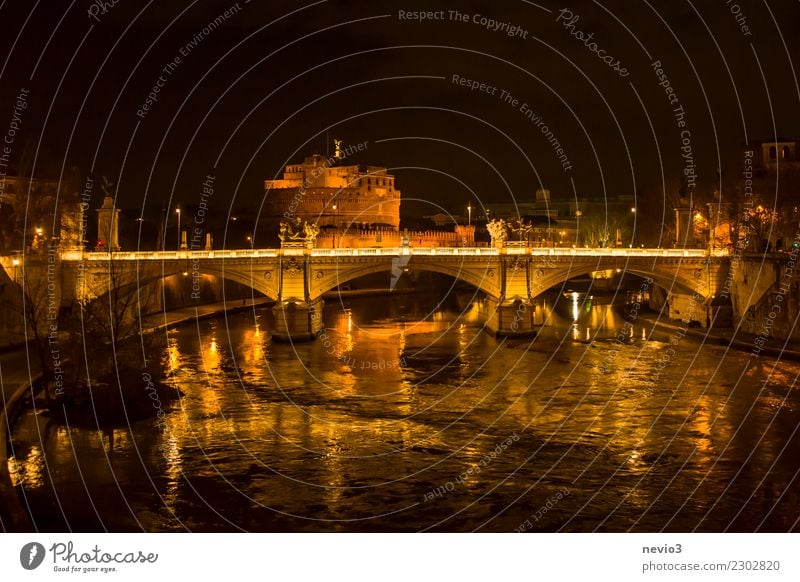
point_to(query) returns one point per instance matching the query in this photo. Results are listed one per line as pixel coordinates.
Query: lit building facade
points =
(28, 202)
(354, 206)
(768, 192)
(335, 196)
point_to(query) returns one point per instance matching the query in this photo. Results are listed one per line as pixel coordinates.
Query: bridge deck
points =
(391, 251)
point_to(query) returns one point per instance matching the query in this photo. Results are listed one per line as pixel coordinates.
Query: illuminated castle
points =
(335, 196)
(354, 206)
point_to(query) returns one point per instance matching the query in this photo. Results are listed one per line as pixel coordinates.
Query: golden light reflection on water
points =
(173, 355)
(252, 352)
(28, 471)
(702, 426)
(173, 469)
(301, 426)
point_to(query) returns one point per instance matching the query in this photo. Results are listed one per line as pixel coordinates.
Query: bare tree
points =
(39, 307)
(112, 317)
(600, 230)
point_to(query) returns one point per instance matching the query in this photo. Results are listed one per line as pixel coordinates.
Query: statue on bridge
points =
(519, 228)
(497, 230)
(298, 231)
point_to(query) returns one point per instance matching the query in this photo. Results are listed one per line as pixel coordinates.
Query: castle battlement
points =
(325, 193)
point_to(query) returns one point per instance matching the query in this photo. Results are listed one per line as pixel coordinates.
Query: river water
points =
(406, 416)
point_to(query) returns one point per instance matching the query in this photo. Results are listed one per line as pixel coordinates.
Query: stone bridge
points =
(296, 278)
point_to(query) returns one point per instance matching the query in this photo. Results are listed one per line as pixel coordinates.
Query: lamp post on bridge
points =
(335, 224)
(178, 212)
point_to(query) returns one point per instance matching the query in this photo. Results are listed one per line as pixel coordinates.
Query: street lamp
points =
(250, 240)
(335, 223)
(178, 212)
(633, 210)
(469, 214)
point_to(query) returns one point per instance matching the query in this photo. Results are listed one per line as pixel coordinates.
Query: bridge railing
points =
(394, 251)
(616, 252)
(168, 255)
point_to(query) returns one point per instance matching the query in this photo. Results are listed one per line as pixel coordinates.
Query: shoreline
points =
(729, 337)
(13, 517)
(163, 320)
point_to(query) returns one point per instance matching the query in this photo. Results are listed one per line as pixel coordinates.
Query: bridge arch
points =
(673, 282)
(484, 276)
(258, 279)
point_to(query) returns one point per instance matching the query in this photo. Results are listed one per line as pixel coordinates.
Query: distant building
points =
(354, 206)
(345, 197)
(567, 222)
(782, 151)
(768, 191)
(27, 204)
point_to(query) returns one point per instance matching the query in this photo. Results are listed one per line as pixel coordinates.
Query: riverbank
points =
(12, 341)
(160, 321)
(19, 372)
(731, 337)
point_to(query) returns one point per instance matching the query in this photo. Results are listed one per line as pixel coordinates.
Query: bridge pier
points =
(511, 318)
(297, 321)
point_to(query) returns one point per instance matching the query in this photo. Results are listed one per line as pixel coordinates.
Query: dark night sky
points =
(264, 87)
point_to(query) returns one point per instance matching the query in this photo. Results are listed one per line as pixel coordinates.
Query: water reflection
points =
(401, 397)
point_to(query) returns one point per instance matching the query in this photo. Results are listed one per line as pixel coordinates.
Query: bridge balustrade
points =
(392, 251)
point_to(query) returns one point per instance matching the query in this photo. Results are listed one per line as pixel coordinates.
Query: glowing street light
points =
(469, 213)
(335, 223)
(178, 212)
